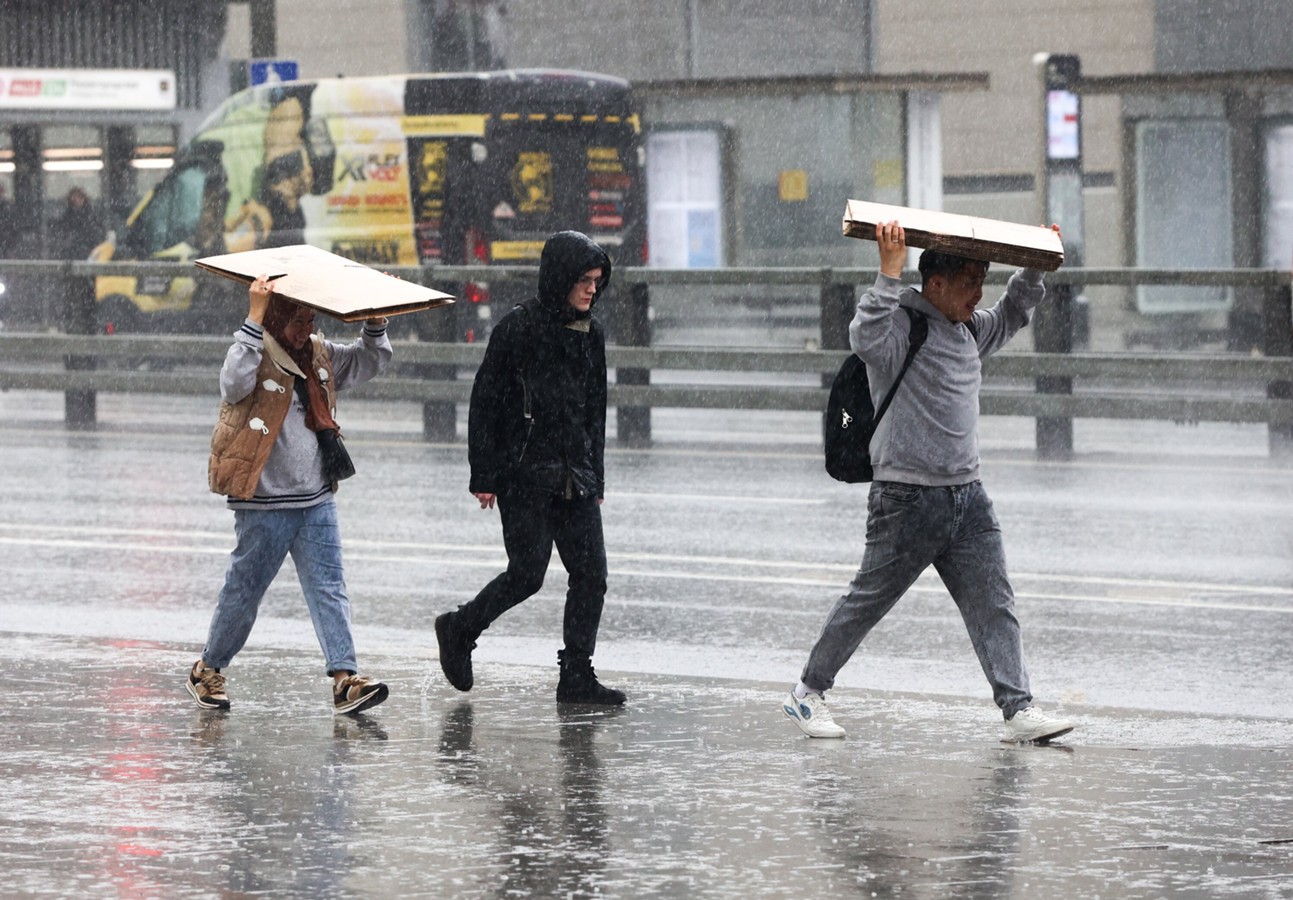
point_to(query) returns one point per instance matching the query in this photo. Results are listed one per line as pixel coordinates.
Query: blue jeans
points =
(910, 527)
(265, 537)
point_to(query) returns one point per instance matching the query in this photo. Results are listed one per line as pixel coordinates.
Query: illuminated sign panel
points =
(116, 89)
(1063, 125)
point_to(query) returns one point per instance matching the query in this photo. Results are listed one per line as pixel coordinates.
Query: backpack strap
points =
(919, 331)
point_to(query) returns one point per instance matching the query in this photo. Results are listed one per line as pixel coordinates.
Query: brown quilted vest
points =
(245, 433)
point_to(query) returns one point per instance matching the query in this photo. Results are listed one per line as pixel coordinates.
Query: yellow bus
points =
(451, 169)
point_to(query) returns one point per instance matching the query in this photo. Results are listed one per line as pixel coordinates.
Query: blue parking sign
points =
(271, 71)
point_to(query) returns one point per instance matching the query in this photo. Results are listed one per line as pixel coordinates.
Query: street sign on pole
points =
(1062, 202)
(271, 71)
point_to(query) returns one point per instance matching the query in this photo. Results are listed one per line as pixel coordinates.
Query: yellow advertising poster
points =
(429, 160)
(366, 214)
(430, 172)
(532, 184)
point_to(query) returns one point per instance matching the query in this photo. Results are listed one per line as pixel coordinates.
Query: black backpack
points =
(851, 417)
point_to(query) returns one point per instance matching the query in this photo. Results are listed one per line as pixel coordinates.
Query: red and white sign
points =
(87, 89)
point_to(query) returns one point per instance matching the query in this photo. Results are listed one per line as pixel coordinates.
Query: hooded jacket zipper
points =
(528, 416)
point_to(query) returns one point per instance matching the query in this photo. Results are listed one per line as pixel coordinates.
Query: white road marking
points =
(659, 566)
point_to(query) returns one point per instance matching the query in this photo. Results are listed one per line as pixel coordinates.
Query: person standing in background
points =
(78, 230)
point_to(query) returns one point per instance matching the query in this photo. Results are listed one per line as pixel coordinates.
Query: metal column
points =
(1061, 191)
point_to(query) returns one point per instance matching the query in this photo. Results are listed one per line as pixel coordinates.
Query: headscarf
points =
(317, 414)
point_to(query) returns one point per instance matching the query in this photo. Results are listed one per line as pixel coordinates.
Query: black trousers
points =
(532, 523)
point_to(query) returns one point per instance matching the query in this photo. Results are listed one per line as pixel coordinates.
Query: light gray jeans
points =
(909, 528)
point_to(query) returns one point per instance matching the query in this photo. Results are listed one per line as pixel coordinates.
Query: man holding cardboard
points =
(927, 505)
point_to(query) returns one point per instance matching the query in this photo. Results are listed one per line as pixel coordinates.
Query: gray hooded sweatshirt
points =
(930, 435)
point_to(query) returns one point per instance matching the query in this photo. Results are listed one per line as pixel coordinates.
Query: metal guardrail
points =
(52, 347)
(1183, 387)
(1053, 387)
(802, 275)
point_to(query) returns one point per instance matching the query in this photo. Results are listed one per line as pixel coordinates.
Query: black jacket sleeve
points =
(597, 409)
(487, 450)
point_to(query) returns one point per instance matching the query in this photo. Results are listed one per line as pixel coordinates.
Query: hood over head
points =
(567, 255)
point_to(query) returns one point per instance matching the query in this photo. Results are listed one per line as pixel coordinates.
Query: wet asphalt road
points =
(1153, 575)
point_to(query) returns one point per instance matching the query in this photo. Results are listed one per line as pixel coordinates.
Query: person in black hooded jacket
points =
(536, 432)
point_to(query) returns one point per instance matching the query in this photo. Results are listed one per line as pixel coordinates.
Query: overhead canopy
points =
(1183, 82)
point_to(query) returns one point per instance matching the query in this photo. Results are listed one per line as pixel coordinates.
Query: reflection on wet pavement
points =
(1152, 574)
(115, 784)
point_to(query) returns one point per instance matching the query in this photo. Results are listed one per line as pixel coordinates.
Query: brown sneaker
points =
(207, 687)
(356, 693)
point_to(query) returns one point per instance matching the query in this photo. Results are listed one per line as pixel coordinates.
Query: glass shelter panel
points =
(1183, 210)
(796, 159)
(685, 193)
(1278, 245)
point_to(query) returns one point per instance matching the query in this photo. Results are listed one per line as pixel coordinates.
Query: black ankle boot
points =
(579, 683)
(456, 644)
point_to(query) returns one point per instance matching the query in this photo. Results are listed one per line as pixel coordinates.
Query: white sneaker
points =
(811, 715)
(1030, 724)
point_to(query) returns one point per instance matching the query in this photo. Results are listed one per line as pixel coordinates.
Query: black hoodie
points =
(538, 405)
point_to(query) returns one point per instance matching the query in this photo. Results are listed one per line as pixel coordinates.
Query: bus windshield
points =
(170, 217)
